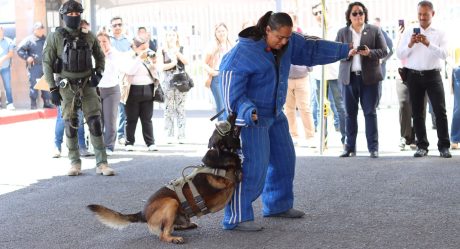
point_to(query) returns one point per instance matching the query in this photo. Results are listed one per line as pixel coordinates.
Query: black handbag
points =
(181, 80)
(158, 94)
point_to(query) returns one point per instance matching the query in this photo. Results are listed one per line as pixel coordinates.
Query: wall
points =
(27, 12)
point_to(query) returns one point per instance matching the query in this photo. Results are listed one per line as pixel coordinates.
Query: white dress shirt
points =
(111, 70)
(421, 57)
(356, 62)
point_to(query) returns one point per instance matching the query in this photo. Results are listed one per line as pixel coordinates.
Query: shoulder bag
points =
(181, 80)
(158, 94)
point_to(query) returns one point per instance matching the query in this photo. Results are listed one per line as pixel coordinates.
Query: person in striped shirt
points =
(254, 80)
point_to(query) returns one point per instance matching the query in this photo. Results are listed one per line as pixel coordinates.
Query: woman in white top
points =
(220, 46)
(139, 102)
(174, 99)
(109, 90)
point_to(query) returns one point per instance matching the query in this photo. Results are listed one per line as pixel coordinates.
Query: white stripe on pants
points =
(268, 169)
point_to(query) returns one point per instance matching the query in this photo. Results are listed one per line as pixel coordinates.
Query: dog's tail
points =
(113, 218)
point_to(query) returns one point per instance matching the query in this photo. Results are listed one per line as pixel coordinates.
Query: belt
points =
(423, 72)
(78, 81)
(357, 72)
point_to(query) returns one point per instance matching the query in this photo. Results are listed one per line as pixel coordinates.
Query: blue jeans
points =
(455, 129)
(335, 98)
(383, 67)
(6, 77)
(353, 94)
(217, 94)
(121, 120)
(59, 130)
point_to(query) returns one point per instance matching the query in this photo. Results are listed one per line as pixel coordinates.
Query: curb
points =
(17, 116)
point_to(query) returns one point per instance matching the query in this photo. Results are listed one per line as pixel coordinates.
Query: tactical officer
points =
(67, 53)
(31, 50)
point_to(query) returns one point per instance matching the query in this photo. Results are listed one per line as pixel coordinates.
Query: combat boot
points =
(75, 169)
(104, 169)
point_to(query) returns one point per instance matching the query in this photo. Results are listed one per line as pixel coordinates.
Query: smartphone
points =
(401, 23)
(416, 31)
(361, 48)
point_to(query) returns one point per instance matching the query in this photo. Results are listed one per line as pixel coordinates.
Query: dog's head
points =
(222, 160)
(226, 136)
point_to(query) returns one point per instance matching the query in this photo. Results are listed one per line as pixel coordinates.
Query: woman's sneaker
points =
(57, 153)
(10, 107)
(129, 147)
(153, 147)
(108, 152)
(402, 143)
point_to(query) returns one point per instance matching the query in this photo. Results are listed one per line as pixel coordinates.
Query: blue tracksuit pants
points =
(268, 169)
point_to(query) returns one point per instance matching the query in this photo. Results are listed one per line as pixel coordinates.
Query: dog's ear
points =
(211, 159)
(214, 139)
(231, 118)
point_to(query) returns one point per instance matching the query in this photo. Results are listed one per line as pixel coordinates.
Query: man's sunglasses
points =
(117, 24)
(317, 13)
(360, 13)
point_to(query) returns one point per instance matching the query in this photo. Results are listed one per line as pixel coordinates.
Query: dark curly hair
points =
(348, 12)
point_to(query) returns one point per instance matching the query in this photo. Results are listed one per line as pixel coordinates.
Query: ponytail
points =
(274, 21)
(263, 23)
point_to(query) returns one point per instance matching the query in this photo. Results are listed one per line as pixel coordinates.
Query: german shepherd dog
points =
(163, 212)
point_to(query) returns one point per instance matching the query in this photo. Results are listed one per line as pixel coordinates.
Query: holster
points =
(403, 73)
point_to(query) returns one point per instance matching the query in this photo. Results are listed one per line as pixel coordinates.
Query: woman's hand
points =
(143, 55)
(254, 115)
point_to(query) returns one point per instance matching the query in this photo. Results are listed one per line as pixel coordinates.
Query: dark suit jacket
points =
(373, 38)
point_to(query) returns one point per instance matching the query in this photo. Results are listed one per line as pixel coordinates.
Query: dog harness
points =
(178, 186)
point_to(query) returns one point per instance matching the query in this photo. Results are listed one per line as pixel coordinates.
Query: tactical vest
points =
(76, 54)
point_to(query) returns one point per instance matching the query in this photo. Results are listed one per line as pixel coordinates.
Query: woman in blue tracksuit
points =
(254, 78)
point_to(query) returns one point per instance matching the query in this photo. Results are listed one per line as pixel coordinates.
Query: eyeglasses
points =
(117, 24)
(360, 13)
(317, 13)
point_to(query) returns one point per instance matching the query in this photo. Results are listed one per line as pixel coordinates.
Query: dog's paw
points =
(192, 225)
(177, 240)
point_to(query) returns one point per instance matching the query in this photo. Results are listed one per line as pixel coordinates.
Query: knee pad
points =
(95, 125)
(71, 127)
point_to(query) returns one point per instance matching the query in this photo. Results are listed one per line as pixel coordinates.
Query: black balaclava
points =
(72, 22)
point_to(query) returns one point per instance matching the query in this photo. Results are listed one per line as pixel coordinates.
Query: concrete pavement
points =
(395, 201)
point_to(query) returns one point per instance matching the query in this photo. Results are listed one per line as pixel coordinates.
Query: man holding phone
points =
(425, 48)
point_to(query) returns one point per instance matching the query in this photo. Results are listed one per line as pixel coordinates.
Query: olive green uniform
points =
(90, 101)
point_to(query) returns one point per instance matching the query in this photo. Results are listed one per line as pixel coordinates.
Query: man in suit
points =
(360, 73)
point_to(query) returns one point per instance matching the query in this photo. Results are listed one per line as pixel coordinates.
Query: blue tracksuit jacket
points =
(252, 80)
